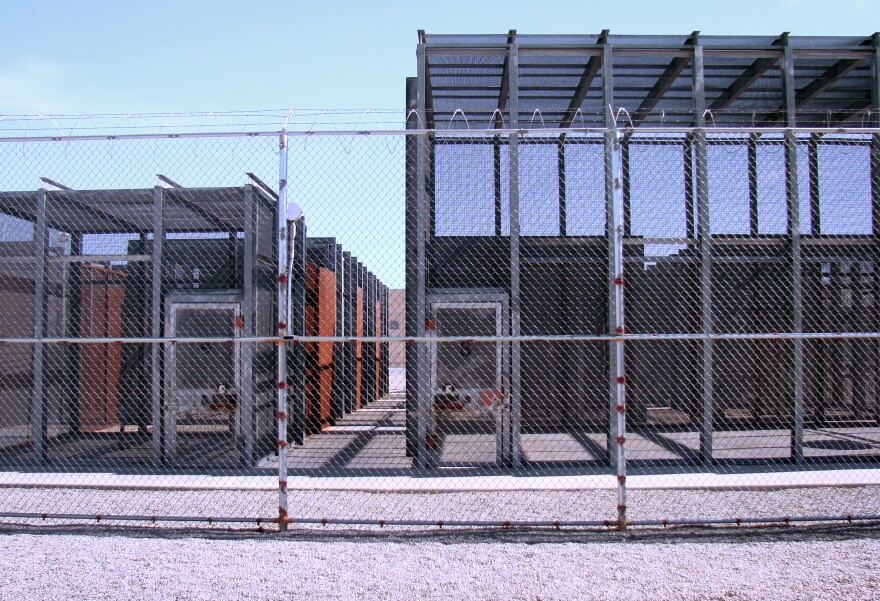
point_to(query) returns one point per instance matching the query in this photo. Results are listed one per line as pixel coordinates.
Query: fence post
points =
(282, 287)
(617, 283)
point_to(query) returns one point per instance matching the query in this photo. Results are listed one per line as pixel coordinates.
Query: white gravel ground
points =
(129, 564)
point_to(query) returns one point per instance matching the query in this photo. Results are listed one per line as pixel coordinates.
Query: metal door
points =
(203, 381)
(470, 401)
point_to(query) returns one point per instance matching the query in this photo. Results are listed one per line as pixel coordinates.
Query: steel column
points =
(156, 379)
(423, 402)
(412, 266)
(39, 415)
(815, 211)
(350, 277)
(248, 316)
(338, 348)
(511, 454)
(875, 204)
(754, 224)
(705, 233)
(296, 426)
(689, 187)
(794, 232)
(560, 169)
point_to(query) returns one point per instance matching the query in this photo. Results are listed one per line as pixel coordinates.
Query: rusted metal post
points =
(283, 288)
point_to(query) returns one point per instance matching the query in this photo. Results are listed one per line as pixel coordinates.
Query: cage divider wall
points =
(167, 262)
(213, 242)
(723, 233)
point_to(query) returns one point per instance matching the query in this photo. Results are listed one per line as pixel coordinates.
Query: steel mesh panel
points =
(566, 306)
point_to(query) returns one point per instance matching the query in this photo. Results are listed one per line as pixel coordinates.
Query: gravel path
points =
(447, 506)
(128, 564)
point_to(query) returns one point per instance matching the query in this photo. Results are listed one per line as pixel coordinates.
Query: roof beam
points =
(828, 78)
(168, 183)
(505, 82)
(267, 190)
(752, 74)
(53, 186)
(670, 74)
(586, 82)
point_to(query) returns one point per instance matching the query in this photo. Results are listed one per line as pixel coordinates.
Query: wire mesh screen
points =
(497, 327)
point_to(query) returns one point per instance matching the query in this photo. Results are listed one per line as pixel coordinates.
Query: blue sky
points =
(89, 56)
(92, 56)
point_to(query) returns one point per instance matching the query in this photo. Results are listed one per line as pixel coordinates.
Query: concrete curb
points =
(404, 484)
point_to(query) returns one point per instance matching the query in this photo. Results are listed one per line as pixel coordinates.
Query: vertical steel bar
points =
(296, 426)
(158, 258)
(39, 422)
(815, 211)
(338, 348)
(754, 224)
(705, 233)
(563, 205)
(73, 326)
(282, 290)
(689, 187)
(412, 267)
(794, 233)
(248, 328)
(626, 196)
(875, 205)
(423, 403)
(512, 453)
(350, 277)
(496, 158)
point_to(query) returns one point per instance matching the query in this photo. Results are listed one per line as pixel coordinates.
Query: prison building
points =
(144, 281)
(731, 224)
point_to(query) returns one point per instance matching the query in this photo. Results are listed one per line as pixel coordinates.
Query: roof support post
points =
(39, 416)
(156, 385)
(248, 314)
(419, 314)
(510, 451)
(412, 269)
(704, 230)
(875, 192)
(794, 233)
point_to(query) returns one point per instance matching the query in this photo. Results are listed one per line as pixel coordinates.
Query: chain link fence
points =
(594, 327)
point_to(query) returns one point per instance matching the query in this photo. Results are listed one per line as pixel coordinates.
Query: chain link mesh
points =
(479, 327)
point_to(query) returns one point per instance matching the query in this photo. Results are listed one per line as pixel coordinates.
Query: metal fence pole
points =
(284, 328)
(617, 228)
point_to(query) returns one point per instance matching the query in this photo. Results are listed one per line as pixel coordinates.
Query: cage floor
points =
(374, 439)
